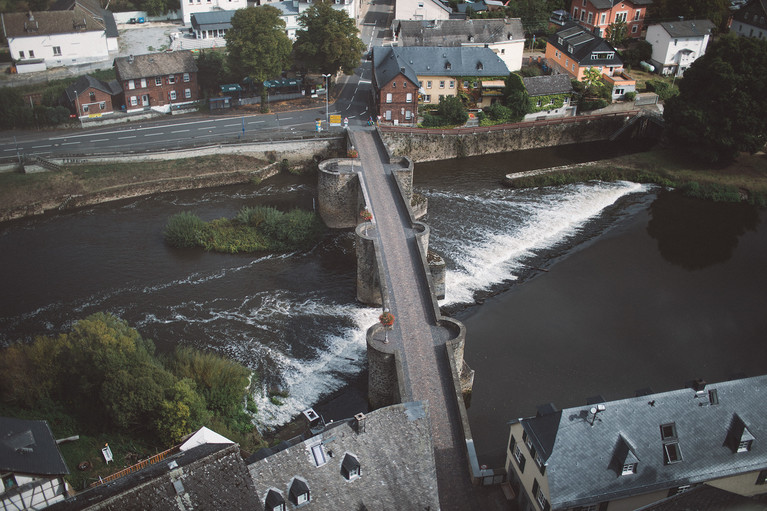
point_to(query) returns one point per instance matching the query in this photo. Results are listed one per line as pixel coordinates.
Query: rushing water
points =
(294, 317)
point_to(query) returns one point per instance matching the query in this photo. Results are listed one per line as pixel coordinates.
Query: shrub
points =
(184, 230)
(630, 96)
(531, 70)
(592, 104)
(663, 89)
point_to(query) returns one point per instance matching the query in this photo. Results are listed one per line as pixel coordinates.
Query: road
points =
(196, 129)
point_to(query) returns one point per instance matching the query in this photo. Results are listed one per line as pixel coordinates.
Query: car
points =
(369, 56)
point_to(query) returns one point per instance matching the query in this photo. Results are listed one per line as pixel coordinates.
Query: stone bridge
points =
(421, 357)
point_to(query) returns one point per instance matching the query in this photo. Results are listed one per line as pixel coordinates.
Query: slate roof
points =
(688, 28)
(548, 85)
(395, 455)
(584, 43)
(92, 6)
(34, 24)
(415, 61)
(155, 64)
(606, 4)
(583, 461)
(210, 476)
(754, 13)
(28, 447)
(458, 32)
(212, 20)
(88, 82)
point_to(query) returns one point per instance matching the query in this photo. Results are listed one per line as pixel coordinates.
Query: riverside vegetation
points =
(103, 381)
(254, 229)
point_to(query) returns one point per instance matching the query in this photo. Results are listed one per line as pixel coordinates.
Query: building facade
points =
(598, 15)
(421, 10)
(676, 45)
(189, 7)
(751, 20)
(158, 81)
(550, 97)
(90, 97)
(626, 454)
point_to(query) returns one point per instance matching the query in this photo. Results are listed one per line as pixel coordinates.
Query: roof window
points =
(274, 501)
(350, 467)
(739, 438)
(668, 431)
(671, 453)
(299, 492)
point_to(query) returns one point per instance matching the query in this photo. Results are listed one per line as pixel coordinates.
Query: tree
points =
(717, 11)
(722, 99)
(258, 46)
(616, 33)
(212, 69)
(516, 97)
(452, 111)
(327, 40)
(592, 76)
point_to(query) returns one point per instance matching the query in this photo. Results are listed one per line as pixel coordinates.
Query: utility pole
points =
(327, 92)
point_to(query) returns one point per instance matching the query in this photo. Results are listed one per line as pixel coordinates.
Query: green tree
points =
(722, 99)
(533, 13)
(516, 97)
(327, 40)
(717, 11)
(257, 45)
(212, 70)
(616, 33)
(13, 112)
(183, 412)
(451, 110)
(592, 76)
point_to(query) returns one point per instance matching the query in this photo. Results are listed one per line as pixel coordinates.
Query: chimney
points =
(130, 59)
(698, 384)
(360, 422)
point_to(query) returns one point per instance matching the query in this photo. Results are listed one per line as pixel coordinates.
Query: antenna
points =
(593, 413)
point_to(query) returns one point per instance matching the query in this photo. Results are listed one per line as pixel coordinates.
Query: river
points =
(642, 289)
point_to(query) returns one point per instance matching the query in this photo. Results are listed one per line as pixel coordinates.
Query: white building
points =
(31, 465)
(188, 7)
(751, 20)
(676, 44)
(421, 10)
(41, 40)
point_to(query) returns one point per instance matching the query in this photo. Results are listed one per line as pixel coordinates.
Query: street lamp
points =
(327, 91)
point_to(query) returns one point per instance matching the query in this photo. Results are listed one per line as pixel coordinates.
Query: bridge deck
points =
(415, 333)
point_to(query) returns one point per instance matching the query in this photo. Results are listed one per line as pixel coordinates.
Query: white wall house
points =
(751, 20)
(420, 10)
(41, 40)
(677, 44)
(194, 6)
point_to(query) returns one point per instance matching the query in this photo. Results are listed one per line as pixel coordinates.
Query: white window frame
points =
(103, 105)
(57, 51)
(427, 98)
(603, 18)
(31, 54)
(442, 84)
(158, 81)
(388, 97)
(143, 83)
(621, 16)
(21, 54)
(590, 18)
(428, 84)
(133, 101)
(629, 469)
(171, 79)
(303, 498)
(541, 498)
(131, 84)
(409, 97)
(172, 95)
(186, 77)
(744, 446)
(188, 93)
(452, 84)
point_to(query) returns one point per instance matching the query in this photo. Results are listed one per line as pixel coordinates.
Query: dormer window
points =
(668, 431)
(480, 66)
(448, 65)
(671, 453)
(350, 467)
(318, 455)
(628, 469)
(274, 501)
(739, 438)
(299, 492)
(560, 40)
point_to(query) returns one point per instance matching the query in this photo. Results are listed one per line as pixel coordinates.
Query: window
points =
(188, 93)
(679, 489)
(172, 95)
(420, 5)
(428, 84)
(668, 431)
(621, 16)
(186, 77)
(133, 101)
(404, 85)
(635, 29)
(388, 97)
(158, 81)
(442, 84)
(590, 18)
(143, 83)
(21, 54)
(57, 51)
(393, 85)
(618, 92)
(426, 98)
(539, 496)
(102, 105)
(583, 15)
(299, 492)
(131, 84)
(350, 467)
(31, 54)
(744, 446)
(519, 457)
(85, 108)
(671, 453)
(9, 481)
(584, 3)
(387, 116)
(409, 97)
(452, 84)
(274, 501)
(575, 13)
(92, 96)
(171, 79)
(538, 103)
(318, 455)
(762, 477)
(573, 66)
(602, 18)
(637, 15)
(629, 468)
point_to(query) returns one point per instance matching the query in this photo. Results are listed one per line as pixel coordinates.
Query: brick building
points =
(158, 81)
(91, 97)
(395, 86)
(597, 15)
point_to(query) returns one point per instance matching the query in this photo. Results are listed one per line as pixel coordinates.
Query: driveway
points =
(146, 38)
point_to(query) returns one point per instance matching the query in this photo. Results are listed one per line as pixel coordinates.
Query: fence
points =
(135, 468)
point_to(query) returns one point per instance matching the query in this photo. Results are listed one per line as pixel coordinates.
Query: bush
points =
(499, 113)
(630, 96)
(184, 230)
(592, 104)
(291, 230)
(531, 70)
(452, 111)
(663, 89)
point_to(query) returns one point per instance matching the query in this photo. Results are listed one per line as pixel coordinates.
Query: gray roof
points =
(606, 4)
(753, 13)
(394, 452)
(459, 32)
(210, 476)
(548, 85)
(28, 447)
(688, 28)
(584, 43)
(86, 82)
(212, 20)
(155, 64)
(584, 455)
(33, 24)
(415, 61)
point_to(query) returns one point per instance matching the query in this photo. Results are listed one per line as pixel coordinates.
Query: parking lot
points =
(146, 37)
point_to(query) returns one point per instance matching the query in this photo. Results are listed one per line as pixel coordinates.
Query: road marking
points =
(180, 131)
(100, 140)
(70, 143)
(255, 122)
(364, 81)
(230, 125)
(286, 118)
(34, 147)
(205, 128)
(130, 136)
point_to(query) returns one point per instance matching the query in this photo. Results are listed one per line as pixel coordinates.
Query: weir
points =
(421, 357)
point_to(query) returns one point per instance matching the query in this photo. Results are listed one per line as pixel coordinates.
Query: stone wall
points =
(431, 145)
(368, 264)
(339, 193)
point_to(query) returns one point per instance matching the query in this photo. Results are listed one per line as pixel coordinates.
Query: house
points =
(550, 96)
(158, 81)
(211, 25)
(751, 20)
(636, 452)
(403, 77)
(573, 50)
(292, 9)
(205, 472)
(506, 37)
(597, 15)
(189, 7)
(46, 39)
(380, 460)
(676, 44)
(31, 465)
(421, 10)
(91, 97)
